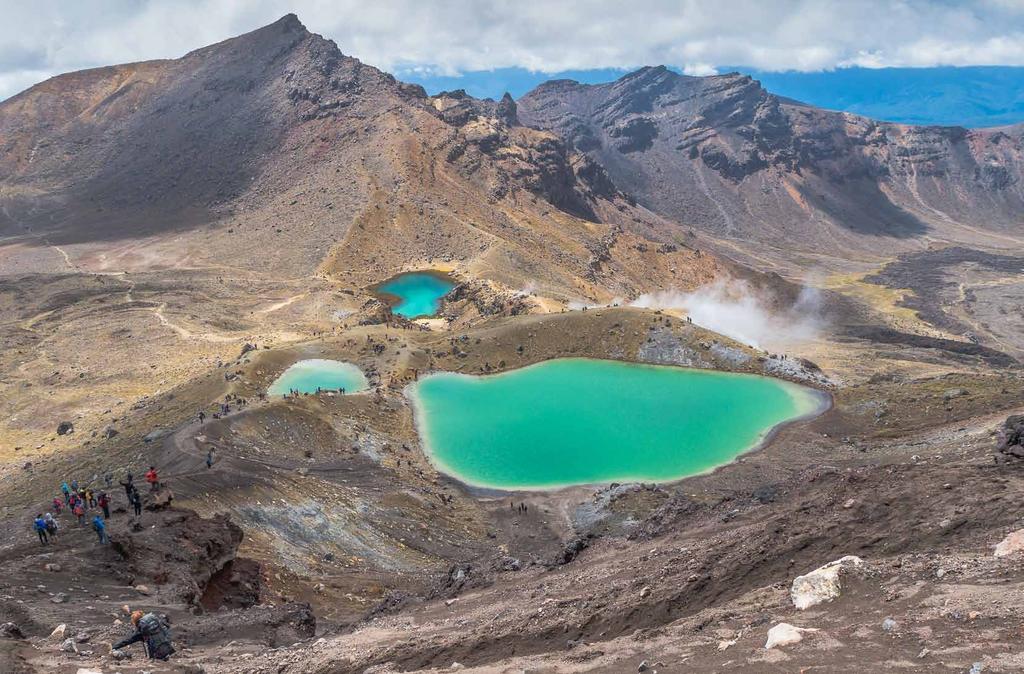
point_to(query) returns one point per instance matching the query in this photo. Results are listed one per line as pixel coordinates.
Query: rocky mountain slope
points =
(785, 183)
(276, 137)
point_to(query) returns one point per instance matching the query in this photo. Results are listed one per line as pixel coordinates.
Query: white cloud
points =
(452, 36)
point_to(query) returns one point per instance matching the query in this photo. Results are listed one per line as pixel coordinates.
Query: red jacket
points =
(151, 476)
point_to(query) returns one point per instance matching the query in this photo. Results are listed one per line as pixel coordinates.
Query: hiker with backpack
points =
(40, 526)
(153, 631)
(51, 525)
(104, 502)
(100, 527)
(152, 479)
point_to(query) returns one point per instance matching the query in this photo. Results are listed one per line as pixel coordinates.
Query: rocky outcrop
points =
(179, 553)
(1012, 544)
(822, 584)
(1011, 437)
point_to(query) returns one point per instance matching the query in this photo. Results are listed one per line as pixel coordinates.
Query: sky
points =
(443, 39)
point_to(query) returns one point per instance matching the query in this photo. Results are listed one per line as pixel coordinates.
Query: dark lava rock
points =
(765, 493)
(65, 427)
(11, 631)
(1011, 437)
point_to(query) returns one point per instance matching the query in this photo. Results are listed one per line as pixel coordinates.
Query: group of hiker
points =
(82, 501)
(151, 629)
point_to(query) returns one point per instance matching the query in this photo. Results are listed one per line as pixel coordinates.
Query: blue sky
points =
(972, 96)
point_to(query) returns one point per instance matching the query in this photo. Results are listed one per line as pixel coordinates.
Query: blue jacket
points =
(98, 524)
(40, 524)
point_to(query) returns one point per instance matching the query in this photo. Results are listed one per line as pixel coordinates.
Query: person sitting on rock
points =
(40, 526)
(152, 479)
(153, 631)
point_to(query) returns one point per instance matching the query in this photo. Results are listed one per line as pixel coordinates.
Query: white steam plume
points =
(736, 309)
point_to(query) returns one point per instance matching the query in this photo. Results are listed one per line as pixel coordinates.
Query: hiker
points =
(108, 479)
(209, 459)
(74, 486)
(152, 479)
(51, 525)
(40, 527)
(153, 631)
(57, 504)
(82, 499)
(202, 416)
(66, 491)
(128, 485)
(136, 501)
(79, 511)
(100, 527)
(104, 502)
(90, 497)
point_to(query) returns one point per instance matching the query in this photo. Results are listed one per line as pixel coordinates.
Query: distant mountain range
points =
(973, 97)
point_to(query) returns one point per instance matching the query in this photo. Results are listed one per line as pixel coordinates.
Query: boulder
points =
(785, 634)
(69, 646)
(1014, 542)
(822, 584)
(11, 631)
(1011, 437)
(65, 427)
(59, 631)
(156, 434)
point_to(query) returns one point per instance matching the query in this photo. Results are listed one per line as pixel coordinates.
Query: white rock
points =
(822, 584)
(722, 645)
(1011, 544)
(58, 631)
(785, 634)
(69, 646)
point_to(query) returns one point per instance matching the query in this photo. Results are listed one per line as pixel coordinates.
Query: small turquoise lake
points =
(306, 376)
(416, 294)
(581, 421)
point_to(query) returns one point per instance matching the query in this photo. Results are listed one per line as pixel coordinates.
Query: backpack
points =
(158, 639)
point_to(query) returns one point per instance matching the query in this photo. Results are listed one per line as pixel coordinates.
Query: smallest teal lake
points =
(416, 294)
(318, 374)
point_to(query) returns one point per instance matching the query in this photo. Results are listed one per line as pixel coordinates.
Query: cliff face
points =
(722, 154)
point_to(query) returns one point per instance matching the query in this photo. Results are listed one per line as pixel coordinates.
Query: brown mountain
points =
(275, 152)
(785, 182)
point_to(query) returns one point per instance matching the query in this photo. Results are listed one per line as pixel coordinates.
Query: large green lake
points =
(309, 376)
(416, 294)
(580, 421)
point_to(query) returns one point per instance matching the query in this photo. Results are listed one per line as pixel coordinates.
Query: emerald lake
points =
(416, 294)
(306, 376)
(579, 421)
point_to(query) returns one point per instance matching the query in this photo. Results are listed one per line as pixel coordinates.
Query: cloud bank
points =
(41, 39)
